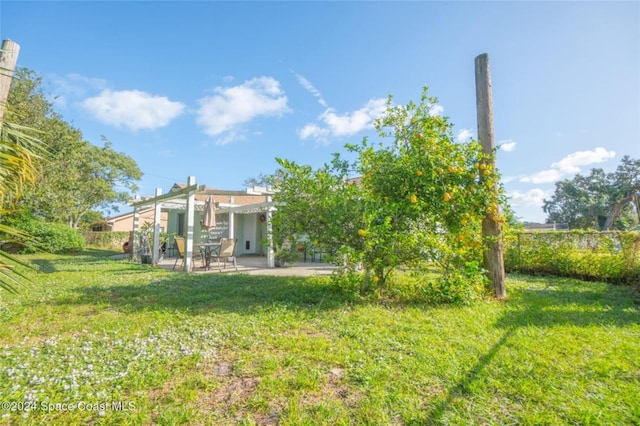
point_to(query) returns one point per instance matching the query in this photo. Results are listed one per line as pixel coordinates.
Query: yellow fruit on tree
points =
(447, 196)
(419, 172)
(414, 198)
(362, 232)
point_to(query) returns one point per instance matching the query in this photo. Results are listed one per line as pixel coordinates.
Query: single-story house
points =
(124, 221)
(242, 215)
(249, 227)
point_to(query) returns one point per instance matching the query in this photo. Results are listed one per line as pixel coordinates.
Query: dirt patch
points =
(335, 389)
(236, 391)
(223, 370)
(272, 419)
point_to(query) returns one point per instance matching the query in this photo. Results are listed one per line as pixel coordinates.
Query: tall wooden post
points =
(491, 229)
(8, 60)
(191, 209)
(157, 216)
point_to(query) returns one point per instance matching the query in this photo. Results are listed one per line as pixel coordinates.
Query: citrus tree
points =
(417, 198)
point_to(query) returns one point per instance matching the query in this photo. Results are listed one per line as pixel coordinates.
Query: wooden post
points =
(157, 215)
(136, 235)
(8, 60)
(491, 229)
(191, 208)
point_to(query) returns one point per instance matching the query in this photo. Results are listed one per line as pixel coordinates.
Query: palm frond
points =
(19, 148)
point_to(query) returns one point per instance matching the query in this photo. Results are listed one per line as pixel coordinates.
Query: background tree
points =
(80, 177)
(417, 198)
(260, 180)
(90, 218)
(74, 176)
(599, 200)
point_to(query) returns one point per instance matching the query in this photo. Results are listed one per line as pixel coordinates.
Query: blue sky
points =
(219, 90)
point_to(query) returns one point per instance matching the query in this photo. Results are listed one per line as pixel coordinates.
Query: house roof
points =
(176, 197)
(122, 216)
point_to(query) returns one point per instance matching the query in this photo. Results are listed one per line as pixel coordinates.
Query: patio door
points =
(248, 245)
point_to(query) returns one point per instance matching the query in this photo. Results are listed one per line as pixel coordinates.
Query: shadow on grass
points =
(205, 294)
(462, 388)
(548, 302)
(49, 266)
(50, 263)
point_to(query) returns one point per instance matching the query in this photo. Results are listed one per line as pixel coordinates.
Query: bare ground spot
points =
(234, 392)
(221, 367)
(333, 389)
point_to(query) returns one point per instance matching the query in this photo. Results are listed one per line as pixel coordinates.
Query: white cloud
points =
(534, 197)
(570, 165)
(464, 135)
(72, 87)
(338, 125)
(133, 109)
(230, 107)
(306, 84)
(545, 176)
(354, 122)
(313, 131)
(572, 162)
(507, 179)
(436, 109)
(507, 145)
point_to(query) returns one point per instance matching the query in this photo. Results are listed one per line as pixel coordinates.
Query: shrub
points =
(49, 237)
(605, 256)
(420, 285)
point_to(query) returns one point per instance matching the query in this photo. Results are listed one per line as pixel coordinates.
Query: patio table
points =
(209, 249)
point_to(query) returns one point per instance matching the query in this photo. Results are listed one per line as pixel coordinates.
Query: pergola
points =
(185, 199)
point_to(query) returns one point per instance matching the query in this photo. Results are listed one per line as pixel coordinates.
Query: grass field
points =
(97, 341)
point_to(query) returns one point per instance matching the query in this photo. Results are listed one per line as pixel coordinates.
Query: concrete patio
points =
(255, 265)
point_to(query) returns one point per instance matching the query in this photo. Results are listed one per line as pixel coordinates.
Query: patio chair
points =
(179, 244)
(227, 250)
(180, 251)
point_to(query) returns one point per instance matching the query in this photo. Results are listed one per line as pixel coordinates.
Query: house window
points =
(180, 230)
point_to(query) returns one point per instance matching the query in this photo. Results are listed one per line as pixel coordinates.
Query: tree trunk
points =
(615, 212)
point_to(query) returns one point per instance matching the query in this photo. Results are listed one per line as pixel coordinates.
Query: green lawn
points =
(101, 335)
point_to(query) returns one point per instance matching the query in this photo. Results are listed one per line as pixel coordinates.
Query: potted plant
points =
(164, 244)
(146, 233)
(283, 254)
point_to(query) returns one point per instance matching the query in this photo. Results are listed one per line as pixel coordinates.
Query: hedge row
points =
(107, 239)
(603, 256)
